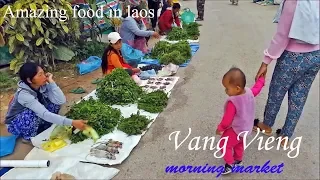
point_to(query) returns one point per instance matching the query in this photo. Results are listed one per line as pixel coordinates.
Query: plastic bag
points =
(187, 16)
(7, 144)
(91, 64)
(61, 132)
(130, 54)
(54, 145)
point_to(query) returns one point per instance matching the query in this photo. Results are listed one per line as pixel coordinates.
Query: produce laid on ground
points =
(118, 88)
(153, 102)
(177, 34)
(189, 31)
(101, 117)
(106, 149)
(192, 30)
(167, 53)
(134, 125)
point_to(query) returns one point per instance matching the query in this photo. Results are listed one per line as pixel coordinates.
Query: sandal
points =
(256, 127)
(78, 90)
(96, 81)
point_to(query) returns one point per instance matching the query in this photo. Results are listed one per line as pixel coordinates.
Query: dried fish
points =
(153, 87)
(150, 82)
(160, 79)
(102, 154)
(162, 87)
(169, 79)
(146, 86)
(166, 83)
(157, 83)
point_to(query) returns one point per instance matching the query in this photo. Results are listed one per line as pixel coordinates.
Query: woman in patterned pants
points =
(298, 63)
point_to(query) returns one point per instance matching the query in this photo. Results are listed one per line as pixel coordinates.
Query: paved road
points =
(230, 35)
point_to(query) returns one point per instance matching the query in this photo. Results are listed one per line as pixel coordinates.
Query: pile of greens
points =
(118, 88)
(153, 102)
(177, 53)
(101, 117)
(174, 57)
(162, 47)
(134, 125)
(177, 34)
(189, 31)
(192, 30)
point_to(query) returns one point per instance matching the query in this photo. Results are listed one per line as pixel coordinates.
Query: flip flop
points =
(78, 90)
(256, 127)
(96, 81)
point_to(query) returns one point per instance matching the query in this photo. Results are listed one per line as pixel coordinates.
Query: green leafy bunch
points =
(34, 38)
(177, 34)
(160, 48)
(134, 125)
(100, 116)
(118, 88)
(153, 102)
(177, 53)
(192, 30)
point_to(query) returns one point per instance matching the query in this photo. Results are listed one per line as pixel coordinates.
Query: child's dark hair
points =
(176, 6)
(28, 71)
(236, 77)
(104, 63)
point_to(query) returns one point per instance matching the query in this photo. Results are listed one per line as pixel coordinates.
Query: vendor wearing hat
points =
(112, 56)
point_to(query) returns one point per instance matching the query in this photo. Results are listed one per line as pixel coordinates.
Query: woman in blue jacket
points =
(35, 105)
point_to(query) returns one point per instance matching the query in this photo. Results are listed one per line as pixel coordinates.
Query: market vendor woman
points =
(35, 105)
(112, 57)
(168, 18)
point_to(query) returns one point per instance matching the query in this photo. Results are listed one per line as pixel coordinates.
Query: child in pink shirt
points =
(239, 115)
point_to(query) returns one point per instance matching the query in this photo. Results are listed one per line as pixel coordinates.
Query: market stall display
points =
(101, 117)
(154, 102)
(167, 53)
(118, 88)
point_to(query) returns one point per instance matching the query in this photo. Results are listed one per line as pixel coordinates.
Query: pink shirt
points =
(232, 111)
(281, 40)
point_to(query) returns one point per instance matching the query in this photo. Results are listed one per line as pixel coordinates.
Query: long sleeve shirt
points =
(281, 41)
(166, 20)
(230, 110)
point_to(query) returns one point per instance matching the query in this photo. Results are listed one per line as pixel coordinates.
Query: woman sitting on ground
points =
(35, 105)
(169, 17)
(112, 57)
(133, 31)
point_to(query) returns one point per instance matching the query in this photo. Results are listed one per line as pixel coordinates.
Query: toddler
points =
(238, 116)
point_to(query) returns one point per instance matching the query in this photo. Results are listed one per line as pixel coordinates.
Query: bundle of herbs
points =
(174, 57)
(153, 102)
(118, 88)
(101, 117)
(177, 34)
(177, 53)
(192, 30)
(162, 47)
(134, 125)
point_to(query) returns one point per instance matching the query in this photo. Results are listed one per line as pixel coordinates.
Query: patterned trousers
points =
(294, 73)
(200, 8)
(27, 124)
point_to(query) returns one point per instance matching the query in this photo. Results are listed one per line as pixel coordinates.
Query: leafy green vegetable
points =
(177, 53)
(162, 47)
(192, 30)
(174, 57)
(153, 102)
(101, 117)
(118, 88)
(134, 125)
(177, 34)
